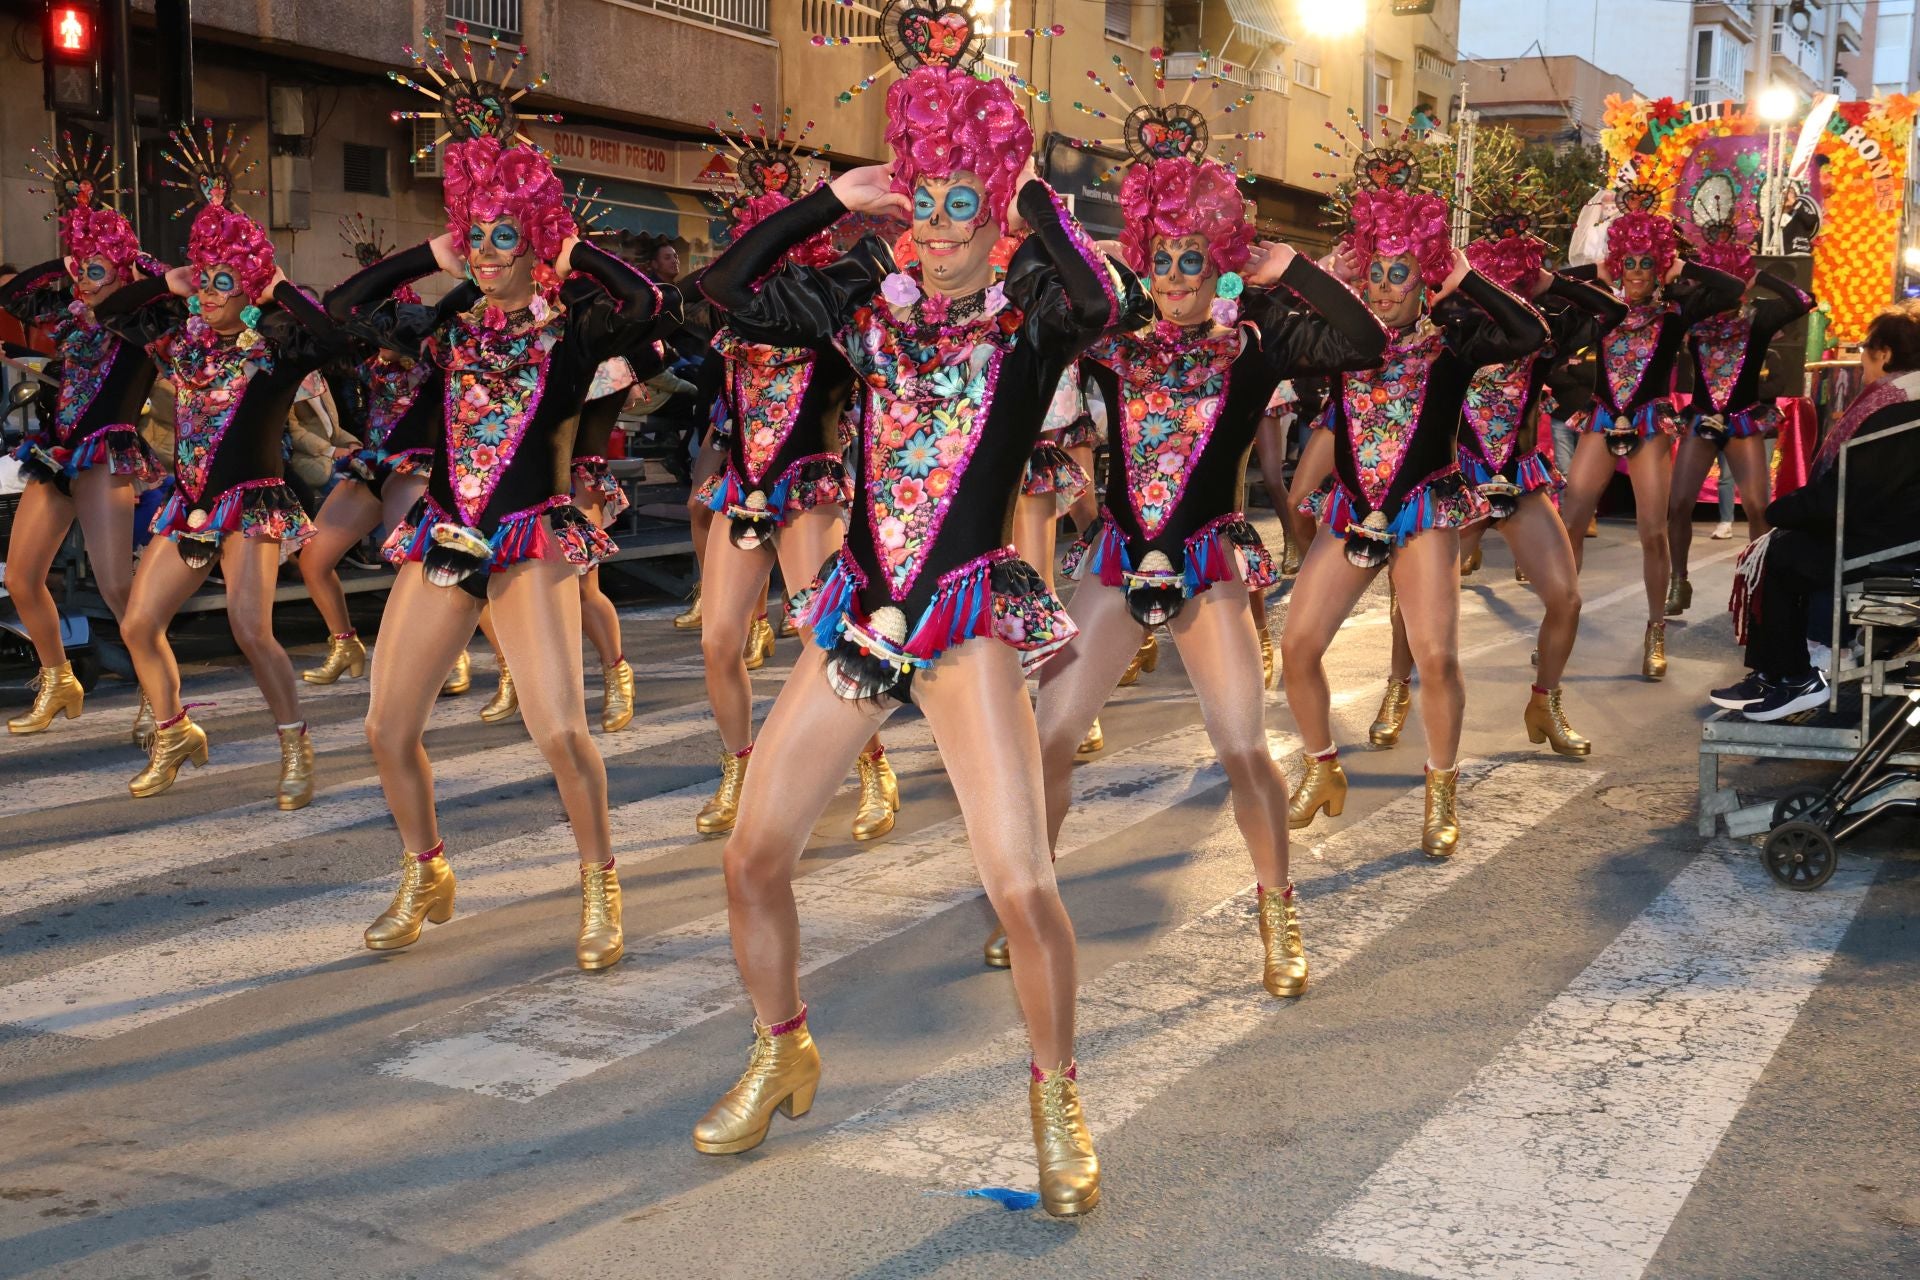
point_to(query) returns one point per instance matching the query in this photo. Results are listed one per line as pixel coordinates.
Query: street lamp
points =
(1778, 103)
(1335, 18)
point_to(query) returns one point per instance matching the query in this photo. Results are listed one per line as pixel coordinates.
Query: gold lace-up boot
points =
(1095, 741)
(1470, 565)
(720, 812)
(1653, 652)
(56, 690)
(1679, 596)
(296, 769)
(1291, 558)
(172, 747)
(1323, 787)
(783, 1070)
(346, 656)
(996, 953)
(789, 625)
(759, 643)
(1547, 722)
(143, 723)
(879, 797)
(425, 893)
(1440, 837)
(1268, 670)
(1392, 717)
(690, 620)
(505, 703)
(602, 941)
(1145, 659)
(1285, 974)
(460, 679)
(616, 709)
(1069, 1170)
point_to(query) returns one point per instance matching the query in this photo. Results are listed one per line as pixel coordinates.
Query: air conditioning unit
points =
(287, 111)
(292, 192)
(434, 163)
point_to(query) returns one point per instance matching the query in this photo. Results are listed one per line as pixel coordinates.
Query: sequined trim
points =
(1225, 549)
(261, 509)
(1443, 501)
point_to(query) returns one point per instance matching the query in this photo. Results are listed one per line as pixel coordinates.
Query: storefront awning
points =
(1257, 22)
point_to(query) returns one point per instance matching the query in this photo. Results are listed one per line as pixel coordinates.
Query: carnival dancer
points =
(926, 602)
(1633, 400)
(83, 462)
(399, 397)
(1397, 497)
(1726, 413)
(1504, 457)
(236, 340)
(781, 494)
(1189, 393)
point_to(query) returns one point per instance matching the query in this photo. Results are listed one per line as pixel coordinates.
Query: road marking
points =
(1146, 1023)
(1570, 1154)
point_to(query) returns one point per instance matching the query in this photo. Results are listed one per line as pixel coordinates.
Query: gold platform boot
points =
(460, 679)
(996, 953)
(879, 797)
(690, 620)
(789, 625)
(1095, 741)
(1440, 837)
(616, 707)
(1069, 1170)
(1323, 787)
(1145, 659)
(173, 746)
(782, 1073)
(602, 942)
(56, 691)
(720, 812)
(1392, 718)
(296, 768)
(346, 656)
(1285, 974)
(1653, 652)
(143, 724)
(1267, 668)
(505, 703)
(1291, 557)
(1679, 596)
(759, 643)
(1470, 564)
(425, 893)
(1547, 722)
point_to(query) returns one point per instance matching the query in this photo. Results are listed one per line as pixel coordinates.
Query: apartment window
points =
(363, 169)
(498, 17)
(1702, 54)
(1306, 73)
(1383, 92)
(1120, 19)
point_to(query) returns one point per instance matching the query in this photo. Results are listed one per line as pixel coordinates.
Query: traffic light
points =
(70, 39)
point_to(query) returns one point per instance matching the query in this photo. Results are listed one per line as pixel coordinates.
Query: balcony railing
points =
(499, 17)
(737, 15)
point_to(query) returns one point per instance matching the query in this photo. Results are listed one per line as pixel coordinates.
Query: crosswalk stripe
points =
(1146, 1023)
(1571, 1153)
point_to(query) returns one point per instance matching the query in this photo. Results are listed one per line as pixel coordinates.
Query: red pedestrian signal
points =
(72, 30)
(70, 37)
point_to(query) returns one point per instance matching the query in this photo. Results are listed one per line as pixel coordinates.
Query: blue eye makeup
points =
(1399, 273)
(1193, 263)
(505, 238)
(923, 205)
(223, 282)
(1162, 263)
(963, 204)
(1638, 263)
(96, 271)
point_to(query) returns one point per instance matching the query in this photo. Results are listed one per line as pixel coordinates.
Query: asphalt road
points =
(1593, 1045)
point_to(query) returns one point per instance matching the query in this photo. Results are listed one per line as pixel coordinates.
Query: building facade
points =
(1554, 100)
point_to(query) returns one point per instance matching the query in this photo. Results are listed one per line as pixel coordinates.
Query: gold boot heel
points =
(57, 691)
(1069, 1169)
(1440, 836)
(1094, 743)
(296, 769)
(690, 620)
(1547, 722)
(505, 703)
(425, 894)
(1323, 787)
(1392, 718)
(602, 939)
(1653, 652)
(616, 709)
(783, 1072)
(879, 797)
(996, 953)
(346, 656)
(460, 679)
(182, 742)
(720, 813)
(759, 648)
(1145, 659)
(1285, 971)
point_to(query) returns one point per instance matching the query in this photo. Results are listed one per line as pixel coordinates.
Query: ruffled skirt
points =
(593, 475)
(118, 448)
(1052, 470)
(262, 509)
(565, 534)
(1755, 420)
(1443, 501)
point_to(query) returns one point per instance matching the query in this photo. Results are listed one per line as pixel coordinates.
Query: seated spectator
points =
(1784, 570)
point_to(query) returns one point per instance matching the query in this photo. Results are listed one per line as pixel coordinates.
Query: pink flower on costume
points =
(1010, 627)
(476, 397)
(1155, 492)
(909, 494)
(469, 486)
(485, 457)
(893, 532)
(900, 290)
(1171, 464)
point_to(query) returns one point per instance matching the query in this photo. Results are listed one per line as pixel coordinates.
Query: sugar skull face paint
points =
(1393, 289)
(93, 279)
(222, 298)
(1183, 281)
(952, 232)
(500, 258)
(1639, 276)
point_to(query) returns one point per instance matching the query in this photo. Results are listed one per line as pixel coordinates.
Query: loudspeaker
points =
(1785, 370)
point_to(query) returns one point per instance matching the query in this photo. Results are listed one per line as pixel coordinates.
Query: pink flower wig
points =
(486, 182)
(88, 232)
(1735, 256)
(224, 236)
(1512, 262)
(1180, 197)
(1390, 223)
(815, 251)
(1638, 233)
(940, 121)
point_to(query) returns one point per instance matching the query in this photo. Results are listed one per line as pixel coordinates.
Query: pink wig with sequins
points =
(1389, 223)
(815, 251)
(941, 120)
(225, 237)
(1180, 197)
(486, 182)
(89, 232)
(1731, 251)
(1632, 234)
(1512, 262)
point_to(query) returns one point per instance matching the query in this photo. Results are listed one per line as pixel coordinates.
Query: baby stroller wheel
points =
(1798, 803)
(1800, 855)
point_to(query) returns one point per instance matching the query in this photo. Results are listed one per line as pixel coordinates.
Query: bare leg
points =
(1218, 646)
(161, 584)
(1690, 469)
(598, 617)
(1748, 457)
(398, 496)
(1076, 682)
(1470, 539)
(1400, 664)
(1324, 594)
(251, 567)
(1086, 508)
(1544, 552)
(1034, 532)
(1315, 465)
(1587, 475)
(706, 465)
(406, 680)
(803, 546)
(1651, 469)
(732, 594)
(105, 505)
(349, 514)
(39, 527)
(1270, 443)
(485, 623)
(1426, 572)
(537, 614)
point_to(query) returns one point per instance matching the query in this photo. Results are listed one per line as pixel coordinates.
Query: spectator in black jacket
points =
(1783, 571)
